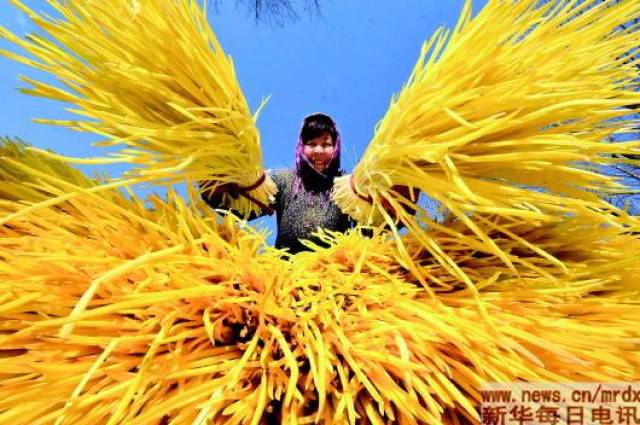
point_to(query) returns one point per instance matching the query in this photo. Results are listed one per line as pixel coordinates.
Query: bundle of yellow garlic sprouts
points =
(509, 114)
(191, 321)
(150, 77)
(33, 180)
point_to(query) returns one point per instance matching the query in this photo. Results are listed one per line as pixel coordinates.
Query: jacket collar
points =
(312, 179)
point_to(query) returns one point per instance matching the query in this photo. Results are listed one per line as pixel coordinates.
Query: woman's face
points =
(319, 151)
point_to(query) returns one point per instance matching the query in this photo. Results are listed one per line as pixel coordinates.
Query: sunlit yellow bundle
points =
(169, 314)
(551, 254)
(149, 77)
(33, 181)
(509, 114)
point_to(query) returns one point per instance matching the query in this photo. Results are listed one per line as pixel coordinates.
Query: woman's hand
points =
(408, 194)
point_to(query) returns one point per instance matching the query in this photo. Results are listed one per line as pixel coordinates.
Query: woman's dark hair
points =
(315, 125)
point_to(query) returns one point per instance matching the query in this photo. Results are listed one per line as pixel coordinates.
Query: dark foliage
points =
(275, 11)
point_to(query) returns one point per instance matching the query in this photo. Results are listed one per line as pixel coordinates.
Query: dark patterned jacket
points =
(298, 215)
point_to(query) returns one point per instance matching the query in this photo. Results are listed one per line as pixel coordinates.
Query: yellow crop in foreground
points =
(116, 313)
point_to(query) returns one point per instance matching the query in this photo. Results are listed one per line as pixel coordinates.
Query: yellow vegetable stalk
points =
(509, 114)
(149, 77)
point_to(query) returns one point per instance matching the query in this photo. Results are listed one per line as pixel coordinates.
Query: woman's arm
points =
(402, 191)
(213, 195)
(406, 193)
(215, 199)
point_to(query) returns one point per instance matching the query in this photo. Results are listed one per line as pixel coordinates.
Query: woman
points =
(303, 202)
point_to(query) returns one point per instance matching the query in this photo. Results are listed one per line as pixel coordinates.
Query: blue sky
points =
(347, 63)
